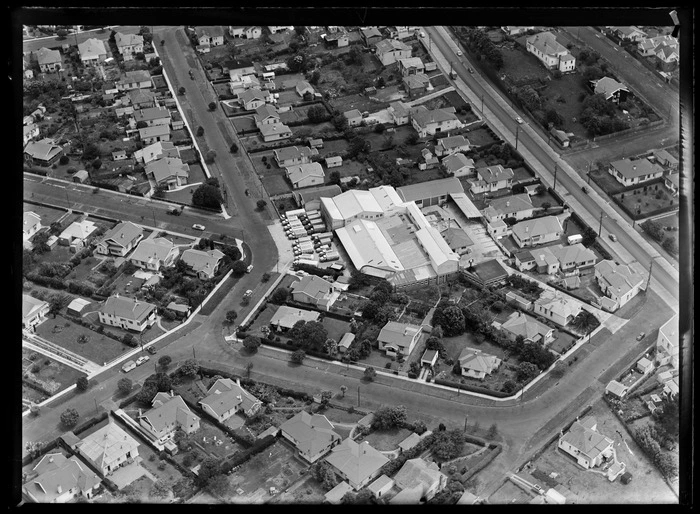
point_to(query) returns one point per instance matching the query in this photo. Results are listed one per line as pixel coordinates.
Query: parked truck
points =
(330, 256)
(310, 262)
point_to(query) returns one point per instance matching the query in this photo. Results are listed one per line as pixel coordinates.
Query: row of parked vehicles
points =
(299, 223)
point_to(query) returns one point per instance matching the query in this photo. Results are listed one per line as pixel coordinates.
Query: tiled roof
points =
(128, 39)
(425, 118)
(391, 45)
(509, 204)
(31, 304)
(398, 333)
(526, 326)
(91, 48)
(152, 249)
(537, 227)
(356, 461)
(293, 152)
(127, 308)
(587, 441)
(311, 432)
(166, 167)
(46, 56)
(430, 189)
(619, 276)
(107, 444)
(608, 86)
(558, 304)
(202, 261)
(478, 361)
(495, 173)
(313, 286)
(286, 317)
(167, 412)
(71, 474)
(546, 43)
(225, 394)
(123, 233)
(44, 150)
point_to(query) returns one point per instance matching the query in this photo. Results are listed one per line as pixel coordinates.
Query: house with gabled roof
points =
(398, 338)
(628, 172)
(616, 389)
(389, 51)
(491, 179)
(168, 414)
(154, 134)
(335, 495)
(303, 88)
(211, 36)
(420, 476)
(550, 52)
(537, 231)
(226, 398)
(127, 313)
(630, 33)
(338, 39)
(34, 311)
(557, 308)
(76, 234)
(356, 463)
(168, 172)
(120, 239)
(619, 282)
(370, 35)
(109, 448)
(31, 223)
(275, 132)
(452, 144)
(432, 192)
(648, 46)
(152, 254)
(458, 165)
(285, 317)
(411, 66)
(92, 51)
(381, 486)
(477, 364)
(429, 123)
(42, 153)
(153, 116)
(249, 32)
(137, 79)
(29, 132)
(515, 206)
(128, 45)
(416, 84)
(665, 159)
(61, 480)
(49, 60)
(293, 155)
(315, 291)
(156, 151)
(252, 98)
(574, 256)
(611, 89)
(203, 264)
(400, 113)
(430, 161)
(520, 324)
(545, 260)
(266, 115)
(311, 434)
(305, 175)
(354, 117)
(583, 442)
(667, 343)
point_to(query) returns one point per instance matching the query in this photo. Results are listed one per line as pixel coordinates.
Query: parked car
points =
(152, 350)
(584, 189)
(470, 70)
(613, 237)
(519, 120)
(640, 336)
(128, 366)
(249, 269)
(459, 52)
(197, 226)
(142, 359)
(538, 489)
(174, 211)
(248, 293)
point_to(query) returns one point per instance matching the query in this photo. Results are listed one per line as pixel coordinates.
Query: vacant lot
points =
(53, 375)
(480, 136)
(48, 214)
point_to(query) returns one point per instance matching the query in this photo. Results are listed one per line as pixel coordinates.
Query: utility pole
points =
(651, 265)
(600, 227)
(95, 404)
(556, 167)
(465, 423)
(589, 173)
(67, 200)
(482, 103)
(154, 217)
(193, 355)
(358, 396)
(517, 132)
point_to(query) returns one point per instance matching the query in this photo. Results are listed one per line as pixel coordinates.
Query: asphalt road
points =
(538, 148)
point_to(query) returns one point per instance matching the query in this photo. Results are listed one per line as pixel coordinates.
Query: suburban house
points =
(645, 366)
(399, 111)
(251, 32)
(422, 478)
(458, 165)
(416, 85)
(545, 260)
(492, 178)
(311, 434)
(31, 223)
(389, 51)
(266, 115)
(665, 159)
(29, 132)
(616, 389)
(429, 123)
(525, 260)
(305, 175)
(476, 364)
(610, 88)
(314, 291)
(127, 313)
(667, 343)
(518, 300)
(514, 31)
(76, 234)
(153, 116)
(92, 51)
(648, 46)
(48, 60)
(211, 36)
(226, 398)
(168, 172)
(433, 192)
(556, 308)
(619, 282)
(335, 495)
(588, 446)
(629, 173)
(61, 480)
(274, 29)
(203, 264)
(370, 35)
(630, 33)
(138, 79)
(293, 155)
(334, 161)
(285, 317)
(516, 206)
(128, 45)
(520, 324)
(453, 144)
(303, 88)
(240, 83)
(311, 199)
(338, 39)
(354, 117)
(398, 338)
(156, 151)
(275, 132)
(561, 137)
(537, 231)
(356, 463)
(411, 66)
(109, 448)
(42, 153)
(34, 311)
(574, 256)
(169, 414)
(252, 98)
(550, 52)
(152, 254)
(119, 155)
(381, 486)
(667, 54)
(154, 134)
(120, 239)
(430, 161)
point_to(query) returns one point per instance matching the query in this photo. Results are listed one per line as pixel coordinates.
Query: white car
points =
(249, 269)
(197, 226)
(142, 359)
(459, 52)
(248, 293)
(128, 366)
(519, 120)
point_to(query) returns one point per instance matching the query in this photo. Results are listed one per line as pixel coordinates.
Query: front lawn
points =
(53, 375)
(646, 199)
(387, 440)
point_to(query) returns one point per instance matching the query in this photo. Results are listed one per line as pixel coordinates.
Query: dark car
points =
(584, 189)
(151, 349)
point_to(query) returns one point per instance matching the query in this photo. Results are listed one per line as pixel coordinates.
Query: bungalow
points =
(128, 45)
(545, 260)
(169, 414)
(356, 463)
(616, 389)
(275, 132)
(525, 260)
(314, 291)
(48, 60)
(240, 67)
(61, 480)
(583, 442)
(457, 239)
(29, 132)
(293, 155)
(518, 300)
(476, 364)
(311, 434)
(574, 256)
(311, 199)
(152, 254)
(458, 165)
(31, 223)
(399, 111)
(411, 66)
(153, 116)
(303, 88)
(266, 115)
(285, 317)
(203, 265)
(550, 52)
(390, 51)
(92, 51)
(76, 307)
(156, 151)
(398, 338)
(212, 36)
(645, 366)
(34, 311)
(630, 33)
(429, 123)
(176, 122)
(648, 46)
(492, 178)
(416, 85)
(629, 173)
(168, 172)
(537, 231)
(127, 313)
(345, 342)
(453, 144)
(354, 117)
(119, 155)
(611, 89)
(252, 98)
(226, 398)
(370, 36)
(619, 282)
(556, 308)
(120, 239)
(251, 32)
(240, 83)
(43, 153)
(305, 175)
(430, 161)
(419, 476)
(519, 324)
(401, 31)
(516, 206)
(149, 135)
(138, 79)
(338, 39)
(667, 343)
(109, 448)
(333, 162)
(665, 159)
(76, 234)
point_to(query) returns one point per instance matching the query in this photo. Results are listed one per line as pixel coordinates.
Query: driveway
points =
(130, 473)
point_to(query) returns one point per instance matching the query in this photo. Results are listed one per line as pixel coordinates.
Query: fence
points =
(644, 126)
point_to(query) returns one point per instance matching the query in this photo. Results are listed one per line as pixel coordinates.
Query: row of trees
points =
(656, 231)
(479, 40)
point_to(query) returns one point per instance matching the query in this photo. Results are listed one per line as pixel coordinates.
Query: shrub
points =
(82, 384)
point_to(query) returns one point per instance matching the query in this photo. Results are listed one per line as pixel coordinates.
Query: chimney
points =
(239, 398)
(51, 459)
(171, 393)
(238, 382)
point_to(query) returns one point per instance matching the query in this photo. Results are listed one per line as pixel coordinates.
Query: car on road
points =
(538, 489)
(640, 336)
(197, 226)
(249, 269)
(459, 52)
(128, 366)
(422, 34)
(470, 70)
(519, 120)
(613, 238)
(584, 189)
(174, 211)
(152, 350)
(142, 359)
(248, 293)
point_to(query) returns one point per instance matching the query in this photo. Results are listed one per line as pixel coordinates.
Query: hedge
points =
(391, 467)
(474, 389)
(90, 423)
(496, 450)
(55, 283)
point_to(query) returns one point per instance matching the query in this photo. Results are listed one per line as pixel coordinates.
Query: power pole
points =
(517, 132)
(556, 167)
(358, 396)
(482, 103)
(651, 265)
(600, 227)
(465, 423)
(589, 173)
(94, 398)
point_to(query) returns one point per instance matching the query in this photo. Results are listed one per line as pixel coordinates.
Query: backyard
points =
(387, 440)
(51, 374)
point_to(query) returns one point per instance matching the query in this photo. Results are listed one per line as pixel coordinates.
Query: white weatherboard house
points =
(34, 311)
(667, 343)
(550, 52)
(476, 364)
(109, 448)
(583, 442)
(127, 313)
(226, 398)
(398, 338)
(169, 414)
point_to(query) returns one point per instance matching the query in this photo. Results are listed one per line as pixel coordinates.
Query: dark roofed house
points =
(311, 434)
(42, 153)
(611, 89)
(628, 172)
(226, 398)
